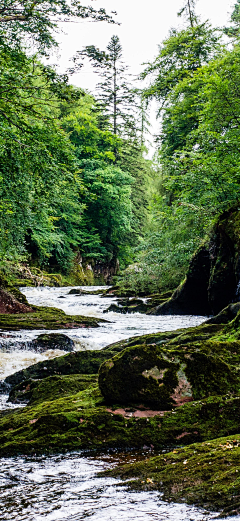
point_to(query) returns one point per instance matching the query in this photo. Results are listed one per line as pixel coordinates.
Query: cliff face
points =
(213, 278)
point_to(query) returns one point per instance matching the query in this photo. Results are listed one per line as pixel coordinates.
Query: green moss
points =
(207, 474)
(22, 274)
(166, 375)
(45, 318)
(176, 337)
(83, 421)
(139, 374)
(53, 387)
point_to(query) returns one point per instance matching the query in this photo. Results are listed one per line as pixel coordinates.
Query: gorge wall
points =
(213, 278)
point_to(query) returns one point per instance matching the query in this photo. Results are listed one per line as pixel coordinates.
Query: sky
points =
(144, 24)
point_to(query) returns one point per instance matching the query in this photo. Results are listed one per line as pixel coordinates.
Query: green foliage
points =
(62, 192)
(38, 20)
(116, 97)
(196, 84)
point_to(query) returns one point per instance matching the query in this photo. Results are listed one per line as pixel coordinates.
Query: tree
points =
(233, 31)
(37, 20)
(188, 10)
(115, 96)
(181, 55)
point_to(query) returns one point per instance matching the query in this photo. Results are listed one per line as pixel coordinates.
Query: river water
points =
(67, 487)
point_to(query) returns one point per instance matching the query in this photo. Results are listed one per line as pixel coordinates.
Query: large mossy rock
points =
(57, 421)
(212, 281)
(191, 298)
(226, 315)
(163, 378)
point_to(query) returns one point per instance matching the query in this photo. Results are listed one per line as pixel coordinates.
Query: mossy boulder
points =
(129, 306)
(163, 378)
(139, 375)
(226, 315)
(115, 309)
(75, 291)
(11, 299)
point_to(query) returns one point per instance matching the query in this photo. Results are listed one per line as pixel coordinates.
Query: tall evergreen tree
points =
(188, 10)
(115, 95)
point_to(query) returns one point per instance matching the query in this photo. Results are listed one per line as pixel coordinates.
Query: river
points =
(67, 487)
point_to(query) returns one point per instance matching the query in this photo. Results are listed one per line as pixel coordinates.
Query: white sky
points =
(144, 24)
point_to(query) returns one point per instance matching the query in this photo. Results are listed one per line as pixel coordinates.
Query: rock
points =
(213, 279)
(191, 298)
(53, 387)
(52, 341)
(9, 304)
(226, 315)
(4, 387)
(75, 291)
(128, 306)
(139, 308)
(205, 474)
(115, 308)
(163, 378)
(22, 392)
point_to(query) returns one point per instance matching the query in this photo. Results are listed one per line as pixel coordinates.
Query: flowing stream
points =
(67, 487)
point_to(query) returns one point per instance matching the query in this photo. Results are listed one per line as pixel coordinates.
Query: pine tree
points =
(115, 96)
(188, 10)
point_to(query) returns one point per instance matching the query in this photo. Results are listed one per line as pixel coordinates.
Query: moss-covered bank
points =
(45, 318)
(207, 474)
(66, 411)
(16, 313)
(22, 274)
(69, 412)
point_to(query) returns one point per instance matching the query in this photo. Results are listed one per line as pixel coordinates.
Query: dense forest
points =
(77, 188)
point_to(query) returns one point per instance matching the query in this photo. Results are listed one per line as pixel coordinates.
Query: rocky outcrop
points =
(213, 278)
(11, 299)
(45, 318)
(9, 304)
(226, 315)
(54, 387)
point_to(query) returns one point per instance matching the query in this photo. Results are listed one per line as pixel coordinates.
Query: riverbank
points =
(22, 274)
(68, 410)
